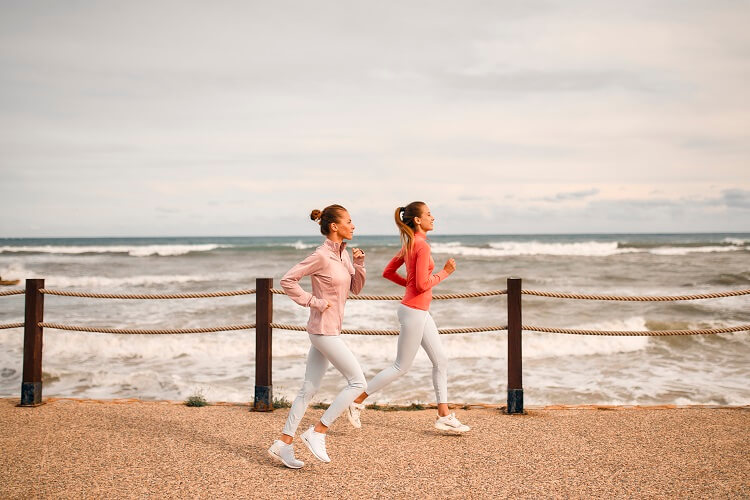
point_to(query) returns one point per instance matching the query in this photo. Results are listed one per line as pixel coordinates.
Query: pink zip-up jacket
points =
(333, 276)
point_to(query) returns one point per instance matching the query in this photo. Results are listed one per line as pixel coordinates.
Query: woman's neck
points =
(335, 238)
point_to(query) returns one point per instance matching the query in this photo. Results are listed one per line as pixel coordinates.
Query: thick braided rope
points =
(652, 333)
(139, 331)
(647, 298)
(441, 296)
(349, 331)
(201, 295)
(11, 325)
(12, 292)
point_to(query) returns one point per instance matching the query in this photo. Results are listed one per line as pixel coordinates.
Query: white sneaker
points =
(450, 423)
(316, 443)
(284, 453)
(352, 413)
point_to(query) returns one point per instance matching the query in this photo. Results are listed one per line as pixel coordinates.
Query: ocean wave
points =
(298, 245)
(579, 249)
(96, 282)
(510, 248)
(687, 250)
(132, 250)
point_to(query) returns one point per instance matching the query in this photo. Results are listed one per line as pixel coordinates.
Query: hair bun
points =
(315, 215)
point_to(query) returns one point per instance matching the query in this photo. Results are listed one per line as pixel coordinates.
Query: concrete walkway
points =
(128, 449)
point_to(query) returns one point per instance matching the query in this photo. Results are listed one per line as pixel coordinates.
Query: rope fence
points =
(264, 325)
(633, 298)
(146, 331)
(631, 333)
(147, 296)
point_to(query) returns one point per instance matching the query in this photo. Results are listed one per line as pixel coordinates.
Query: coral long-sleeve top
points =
(419, 278)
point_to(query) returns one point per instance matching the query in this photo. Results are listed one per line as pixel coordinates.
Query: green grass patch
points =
(196, 400)
(281, 402)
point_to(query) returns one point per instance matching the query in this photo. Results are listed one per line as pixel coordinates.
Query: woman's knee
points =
(308, 390)
(358, 382)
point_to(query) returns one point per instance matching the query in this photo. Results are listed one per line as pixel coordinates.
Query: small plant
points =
(196, 399)
(374, 406)
(414, 407)
(321, 406)
(281, 402)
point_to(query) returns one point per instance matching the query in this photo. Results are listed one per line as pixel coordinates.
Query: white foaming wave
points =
(508, 248)
(582, 249)
(298, 245)
(735, 241)
(104, 282)
(687, 250)
(132, 250)
(551, 345)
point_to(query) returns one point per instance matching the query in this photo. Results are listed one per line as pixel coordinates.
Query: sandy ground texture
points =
(123, 449)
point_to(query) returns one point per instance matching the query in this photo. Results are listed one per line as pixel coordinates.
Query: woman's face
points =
(425, 222)
(344, 228)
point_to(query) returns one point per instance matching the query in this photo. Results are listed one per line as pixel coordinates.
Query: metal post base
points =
(263, 398)
(515, 401)
(31, 394)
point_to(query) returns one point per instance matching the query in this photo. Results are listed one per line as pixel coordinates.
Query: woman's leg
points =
(316, 367)
(338, 354)
(434, 349)
(412, 324)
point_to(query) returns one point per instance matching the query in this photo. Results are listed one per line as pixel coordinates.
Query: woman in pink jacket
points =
(417, 326)
(333, 276)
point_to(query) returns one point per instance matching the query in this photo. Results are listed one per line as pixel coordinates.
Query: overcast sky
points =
(237, 118)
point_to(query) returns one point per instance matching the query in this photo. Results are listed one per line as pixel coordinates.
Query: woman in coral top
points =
(417, 326)
(333, 276)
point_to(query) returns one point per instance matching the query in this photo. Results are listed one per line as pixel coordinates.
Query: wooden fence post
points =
(263, 342)
(31, 382)
(515, 385)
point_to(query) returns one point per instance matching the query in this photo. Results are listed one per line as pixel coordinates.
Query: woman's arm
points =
(424, 281)
(390, 271)
(358, 278)
(290, 282)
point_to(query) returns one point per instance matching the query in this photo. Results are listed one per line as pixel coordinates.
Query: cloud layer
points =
(236, 118)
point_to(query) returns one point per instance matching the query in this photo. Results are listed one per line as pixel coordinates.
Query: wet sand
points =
(128, 449)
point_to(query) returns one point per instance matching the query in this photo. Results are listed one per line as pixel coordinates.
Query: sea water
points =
(557, 369)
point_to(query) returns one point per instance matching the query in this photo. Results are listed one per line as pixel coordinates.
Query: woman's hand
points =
(359, 256)
(450, 266)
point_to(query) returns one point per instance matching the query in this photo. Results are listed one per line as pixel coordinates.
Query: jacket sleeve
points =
(390, 271)
(358, 276)
(290, 282)
(424, 281)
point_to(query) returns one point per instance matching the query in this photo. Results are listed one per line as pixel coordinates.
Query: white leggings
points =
(417, 327)
(325, 349)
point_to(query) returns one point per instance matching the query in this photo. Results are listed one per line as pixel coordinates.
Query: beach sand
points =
(129, 448)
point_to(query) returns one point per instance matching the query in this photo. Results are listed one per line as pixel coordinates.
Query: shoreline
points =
(127, 448)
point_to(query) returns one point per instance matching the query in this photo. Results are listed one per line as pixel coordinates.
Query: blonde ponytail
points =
(406, 225)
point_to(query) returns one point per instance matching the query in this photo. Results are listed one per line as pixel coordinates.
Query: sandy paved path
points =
(71, 448)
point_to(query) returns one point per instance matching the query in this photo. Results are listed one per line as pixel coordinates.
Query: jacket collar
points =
(335, 247)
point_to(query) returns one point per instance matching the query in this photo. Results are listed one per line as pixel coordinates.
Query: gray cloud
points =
(573, 195)
(736, 198)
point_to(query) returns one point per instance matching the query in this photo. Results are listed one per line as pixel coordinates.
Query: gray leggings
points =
(417, 328)
(325, 349)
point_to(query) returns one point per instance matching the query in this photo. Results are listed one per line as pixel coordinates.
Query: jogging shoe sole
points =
(281, 460)
(356, 424)
(446, 428)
